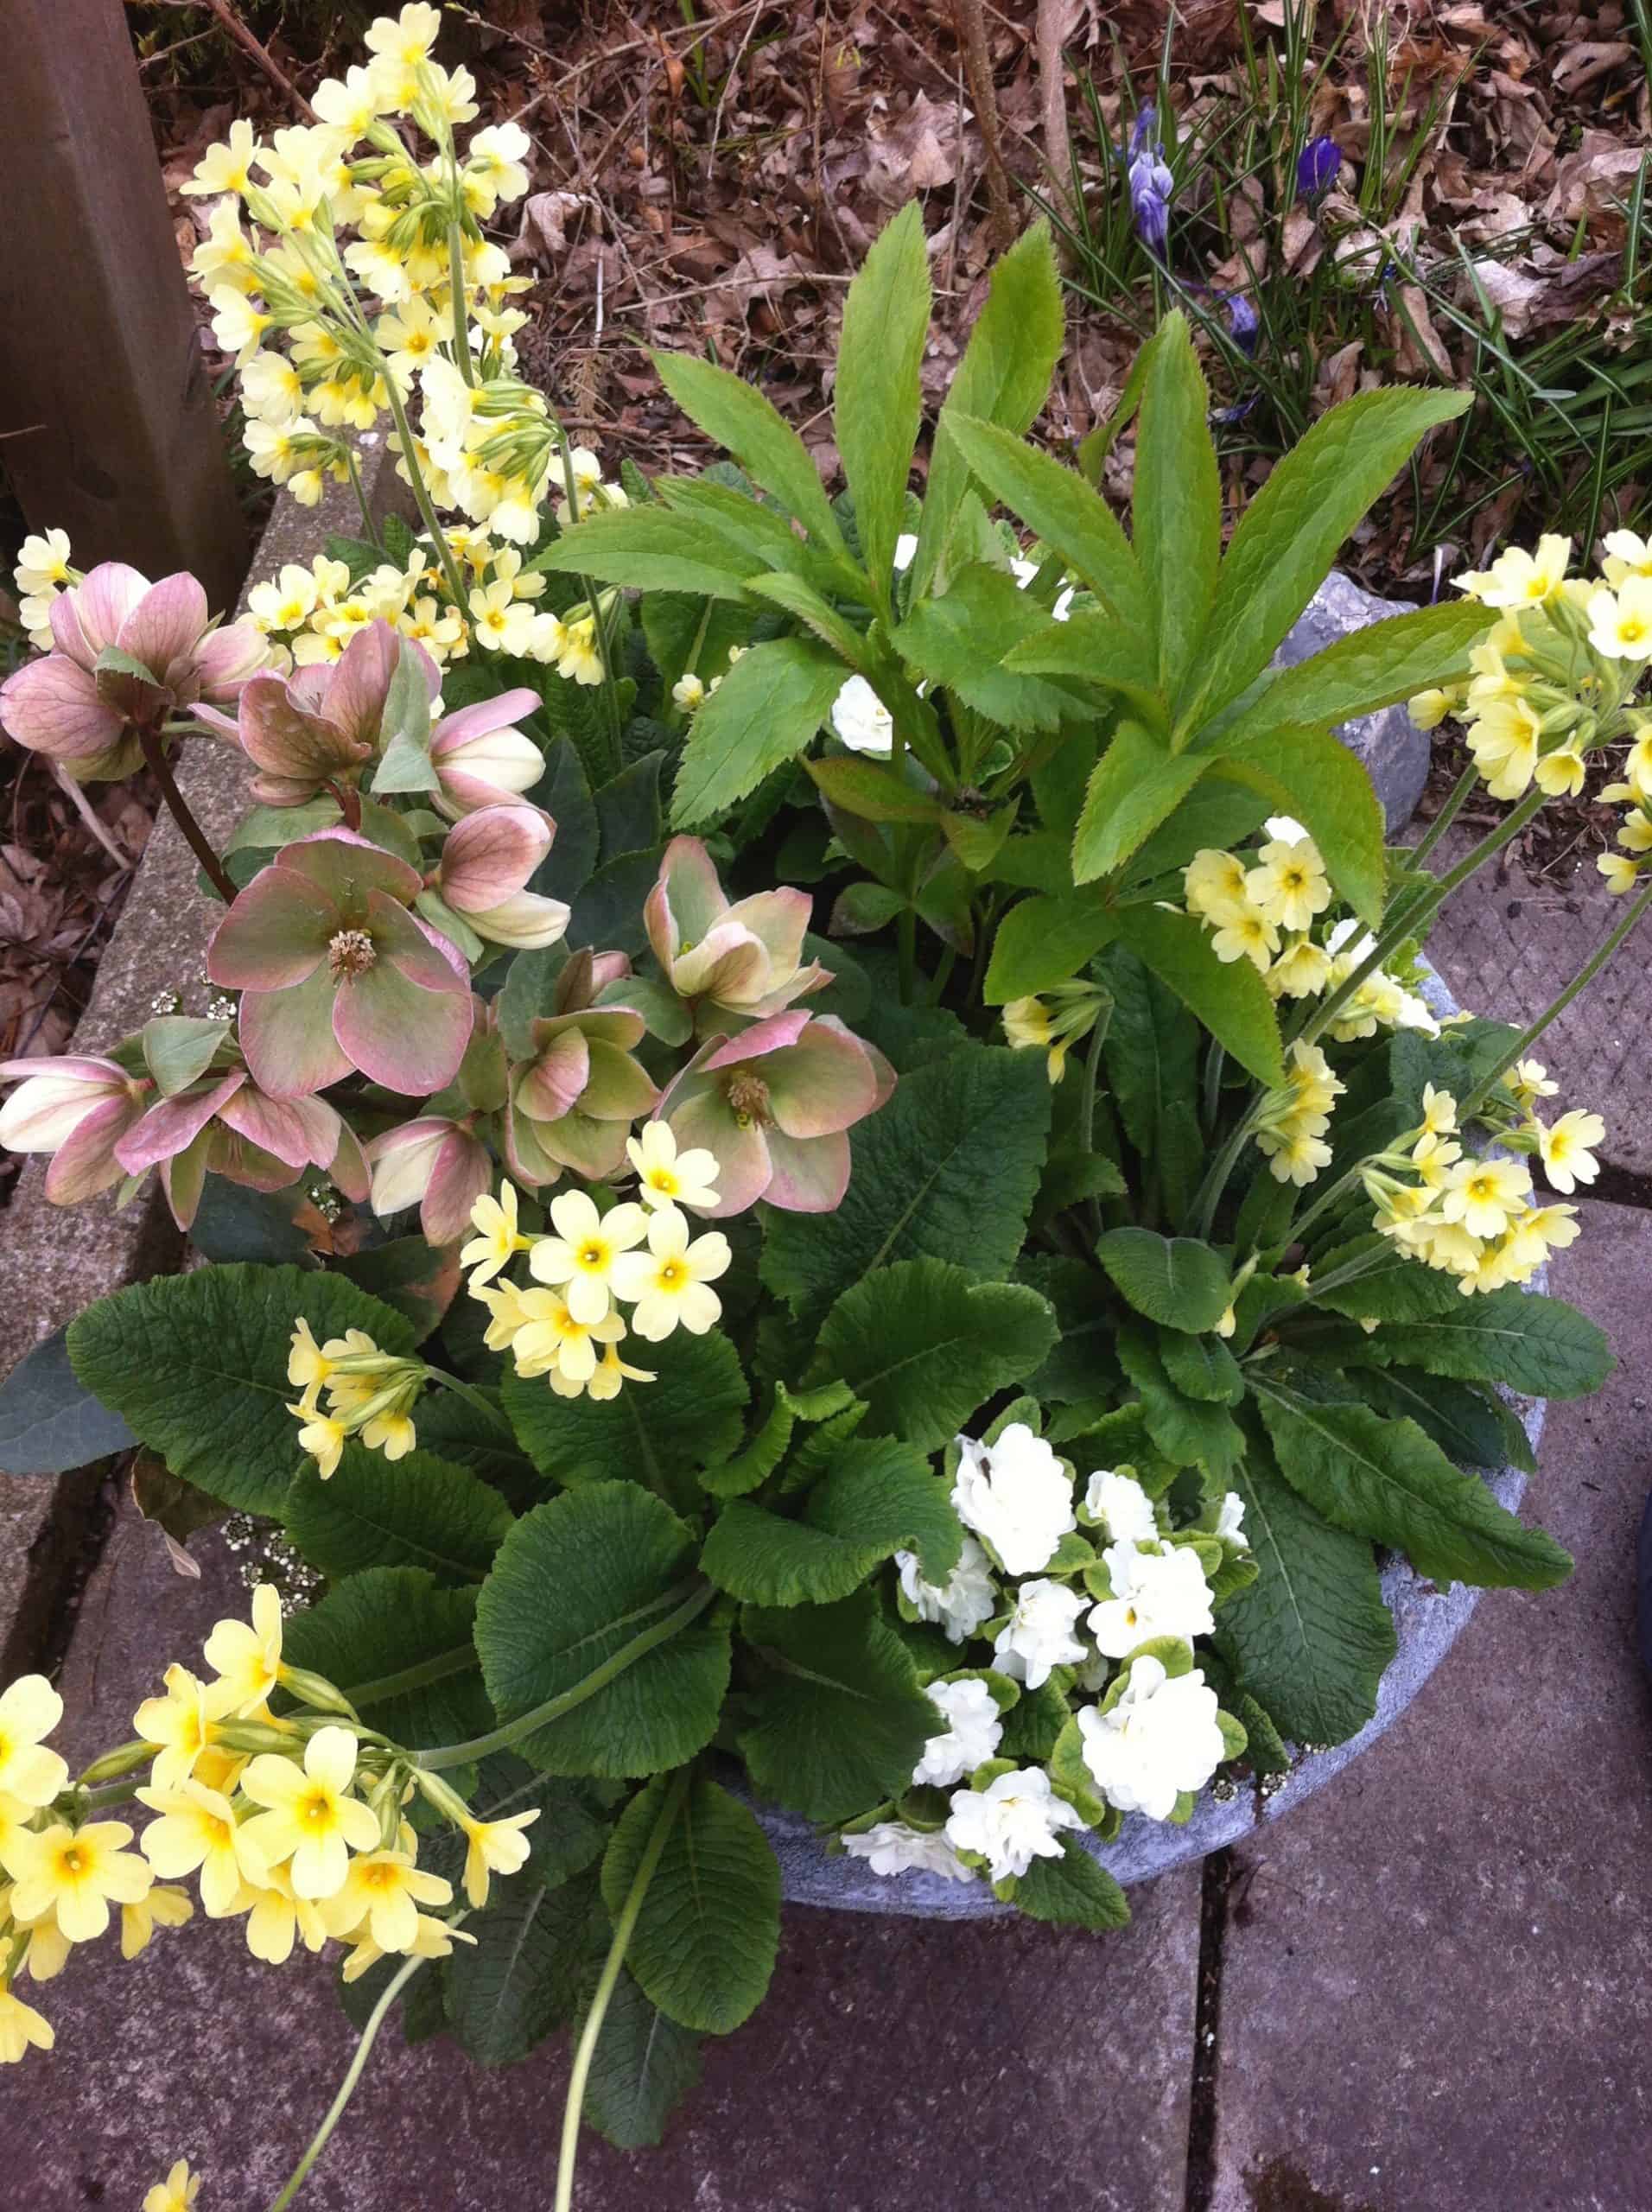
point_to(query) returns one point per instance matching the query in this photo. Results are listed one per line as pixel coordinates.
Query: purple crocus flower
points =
(1317, 167)
(1150, 183)
(1242, 321)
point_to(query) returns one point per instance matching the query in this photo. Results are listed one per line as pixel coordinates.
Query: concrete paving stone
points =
(58, 1261)
(896, 2064)
(1437, 1978)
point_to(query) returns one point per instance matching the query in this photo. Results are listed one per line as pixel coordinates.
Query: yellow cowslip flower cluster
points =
(1471, 1215)
(370, 1393)
(1291, 1122)
(1552, 681)
(363, 275)
(41, 574)
(310, 615)
(1270, 908)
(1054, 1022)
(292, 1821)
(1622, 870)
(570, 1330)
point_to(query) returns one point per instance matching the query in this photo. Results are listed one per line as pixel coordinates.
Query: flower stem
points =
(422, 495)
(368, 522)
(347, 2088)
(610, 693)
(456, 286)
(590, 2034)
(1448, 813)
(1580, 981)
(194, 835)
(699, 1596)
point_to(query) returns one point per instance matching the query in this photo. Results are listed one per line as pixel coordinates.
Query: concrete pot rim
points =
(1427, 1622)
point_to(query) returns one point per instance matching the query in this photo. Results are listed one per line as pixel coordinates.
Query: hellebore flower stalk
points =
(773, 1106)
(127, 656)
(336, 974)
(744, 958)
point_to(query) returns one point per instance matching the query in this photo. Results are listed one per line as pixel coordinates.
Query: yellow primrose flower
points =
(163, 1907)
(1528, 1081)
(198, 1833)
(382, 1893)
(688, 693)
(494, 1847)
(43, 562)
(1483, 1195)
(498, 1239)
(177, 2193)
(1297, 1159)
(432, 1939)
(1288, 885)
(1439, 1108)
(312, 1823)
(29, 1709)
(510, 1312)
(247, 1659)
(668, 1282)
(226, 168)
(1301, 971)
(182, 1725)
(1246, 934)
(285, 603)
(21, 2025)
(277, 1917)
(1626, 555)
(75, 1874)
(553, 1343)
(1621, 873)
(1568, 1149)
(1432, 1157)
(582, 1253)
(1517, 578)
(580, 660)
(322, 1436)
(1620, 624)
(1561, 771)
(610, 1375)
(391, 1433)
(1429, 708)
(667, 1177)
(1504, 742)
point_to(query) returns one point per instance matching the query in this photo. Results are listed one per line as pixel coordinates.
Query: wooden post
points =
(106, 412)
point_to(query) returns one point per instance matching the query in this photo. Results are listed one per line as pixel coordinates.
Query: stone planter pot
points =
(1427, 1622)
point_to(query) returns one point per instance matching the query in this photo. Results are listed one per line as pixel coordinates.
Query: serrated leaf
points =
(1175, 1280)
(737, 417)
(399, 1646)
(959, 642)
(1003, 379)
(576, 1582)
(704, 1943)
(1520, 1338)
(1043, 941)
(924, 1343)
(947, 1170)
(658, 1433)
(1381, 665)
(1074, 522)
(879, 1496)
(419, 1510)
(523, 1976)
(1192, 1431)
(1289, 534)
(50, 1420)
(197, 1364)
(1075, 1890)
(1089, 648)
(1231, 1002)
(1310, 1637)
(766, 709)
(1133, 788)
(1202, 1367)
(648, 547)
(878, 400)
(643, 2067)
(1176, 504)
(1385, 1480)
(1313, 776)
(836, 1720)
(872, 791)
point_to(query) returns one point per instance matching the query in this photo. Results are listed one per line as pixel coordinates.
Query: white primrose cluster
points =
(1029, 1583)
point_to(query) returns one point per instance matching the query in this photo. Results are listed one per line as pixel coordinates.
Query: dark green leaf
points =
(1175, 1280)
(644, 2065)
(49, 1421)
(658, 1433)
(523, 1976)
(1526, 1342)
(878, 1496)
(399, 1647)
(1075, 1890)
(766, 709)
(415, 1511)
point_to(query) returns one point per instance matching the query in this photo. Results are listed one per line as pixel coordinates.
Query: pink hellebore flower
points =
(480, 756)
(337, 975)
(226, 1124)
(300, 731)
(573, 1102)
(76, 1109)
(486, 862)
(437, 1164)
(87, 717)
(774, 1105)
(743, 959)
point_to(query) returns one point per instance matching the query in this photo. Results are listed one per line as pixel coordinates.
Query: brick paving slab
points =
(1436, 1977)
(896, 2064)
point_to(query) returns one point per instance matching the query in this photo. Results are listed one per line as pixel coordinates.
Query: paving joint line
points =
(1216, 1880)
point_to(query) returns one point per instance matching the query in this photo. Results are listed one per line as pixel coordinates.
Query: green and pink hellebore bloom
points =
(743, 958)
(127, 656)
(321, 724)
(338, 976)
